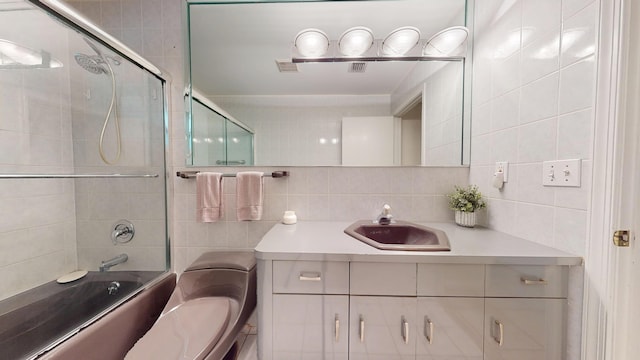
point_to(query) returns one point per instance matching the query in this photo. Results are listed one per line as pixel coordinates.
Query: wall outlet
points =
(561, 173)
(504, 167)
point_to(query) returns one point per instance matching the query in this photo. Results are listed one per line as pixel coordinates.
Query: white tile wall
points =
(288, 129)
(541, 56)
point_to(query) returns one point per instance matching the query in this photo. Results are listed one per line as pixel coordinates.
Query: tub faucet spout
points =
(108, 264)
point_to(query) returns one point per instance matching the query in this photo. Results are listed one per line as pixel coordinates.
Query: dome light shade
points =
(355, 41)
(312, 43)
(446, 41)
(401, 40)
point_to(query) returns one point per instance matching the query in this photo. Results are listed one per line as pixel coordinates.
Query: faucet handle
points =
(386, 210)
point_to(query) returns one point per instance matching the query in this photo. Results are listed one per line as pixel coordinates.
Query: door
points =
(382, 328)
(620, 277)
(310, 327)
(449, 328)
(524, 329)
(370, 141)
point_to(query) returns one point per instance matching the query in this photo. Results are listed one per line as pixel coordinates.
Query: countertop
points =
(326, 241)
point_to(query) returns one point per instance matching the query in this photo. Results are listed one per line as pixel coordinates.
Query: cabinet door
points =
(382, 328)
(310, 327)
(449, 328)
(524, 329)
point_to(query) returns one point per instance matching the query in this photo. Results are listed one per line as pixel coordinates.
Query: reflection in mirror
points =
(217, 138)
(243, 61)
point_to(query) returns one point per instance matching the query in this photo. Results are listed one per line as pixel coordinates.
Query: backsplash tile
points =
(317, 194)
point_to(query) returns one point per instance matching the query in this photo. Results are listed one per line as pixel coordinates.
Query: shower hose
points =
(113, 108)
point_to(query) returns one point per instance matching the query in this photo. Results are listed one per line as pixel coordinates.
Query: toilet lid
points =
(188, 331)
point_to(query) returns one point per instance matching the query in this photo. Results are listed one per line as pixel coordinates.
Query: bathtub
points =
(36, 321)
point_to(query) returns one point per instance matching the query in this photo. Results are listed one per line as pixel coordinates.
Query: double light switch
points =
(561, 173)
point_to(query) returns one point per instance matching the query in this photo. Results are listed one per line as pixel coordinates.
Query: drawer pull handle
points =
(310, 276)
(361, 329)
(405, 330)
(534, 282)
(337, 328)
(500, 338)
(428, 329)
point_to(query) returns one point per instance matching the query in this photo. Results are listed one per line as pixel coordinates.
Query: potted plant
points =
(465, 201)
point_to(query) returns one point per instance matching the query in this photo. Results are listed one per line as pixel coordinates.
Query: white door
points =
(625, 322)
(370, 141)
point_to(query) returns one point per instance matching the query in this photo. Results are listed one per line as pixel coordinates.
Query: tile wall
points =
(533, 99)
(289, 128)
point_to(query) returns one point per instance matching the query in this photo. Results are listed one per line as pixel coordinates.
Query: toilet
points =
(211, 303)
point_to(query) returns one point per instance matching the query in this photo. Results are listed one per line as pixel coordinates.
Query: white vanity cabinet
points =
(313, 327)
(382, 311)
(382, 328)
(525, 312)
(310, 308)
(324, 295)
(450, 308)
(524, 329)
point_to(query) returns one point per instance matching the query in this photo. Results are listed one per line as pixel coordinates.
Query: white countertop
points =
(326, 240)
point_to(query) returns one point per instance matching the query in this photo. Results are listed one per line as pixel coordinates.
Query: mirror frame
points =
(465, 152)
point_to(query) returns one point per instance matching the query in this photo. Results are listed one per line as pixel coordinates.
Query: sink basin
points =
(399, 235)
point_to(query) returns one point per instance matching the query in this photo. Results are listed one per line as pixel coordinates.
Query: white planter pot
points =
(466, 219)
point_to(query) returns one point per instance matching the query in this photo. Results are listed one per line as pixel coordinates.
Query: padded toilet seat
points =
(188, 331)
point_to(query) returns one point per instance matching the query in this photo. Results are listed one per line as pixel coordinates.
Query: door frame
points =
(604, 291)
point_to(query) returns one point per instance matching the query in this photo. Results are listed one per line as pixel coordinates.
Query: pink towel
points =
(208, 196)
(249, 195)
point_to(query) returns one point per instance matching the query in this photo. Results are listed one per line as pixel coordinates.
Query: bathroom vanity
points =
(325, 295)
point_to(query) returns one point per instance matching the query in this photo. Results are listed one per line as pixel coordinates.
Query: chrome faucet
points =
(385, 217)
(108, 264)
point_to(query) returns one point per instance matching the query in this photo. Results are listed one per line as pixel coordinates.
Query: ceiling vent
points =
(286, 66)
(357, 67)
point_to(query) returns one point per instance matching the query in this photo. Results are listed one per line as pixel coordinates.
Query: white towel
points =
(249, 195)
(209, 197)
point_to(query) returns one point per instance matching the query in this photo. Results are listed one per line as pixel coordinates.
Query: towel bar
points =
(192, 174)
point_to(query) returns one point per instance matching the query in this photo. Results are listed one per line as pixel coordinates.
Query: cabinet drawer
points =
(526, 281)
(310, 277)
(450, 280)
(383, 279)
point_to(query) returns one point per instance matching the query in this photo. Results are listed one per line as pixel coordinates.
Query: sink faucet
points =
(385, 217)
(108, 264)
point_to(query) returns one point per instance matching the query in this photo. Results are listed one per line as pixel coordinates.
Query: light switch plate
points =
(561, 173)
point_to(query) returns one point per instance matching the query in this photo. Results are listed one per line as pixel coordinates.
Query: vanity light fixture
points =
(400, 41)
(356, 41)
(446, 41)
(312, 42)
(15, 56)
(358, 44)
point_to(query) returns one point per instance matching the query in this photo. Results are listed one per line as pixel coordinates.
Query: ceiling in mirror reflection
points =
(238, 44)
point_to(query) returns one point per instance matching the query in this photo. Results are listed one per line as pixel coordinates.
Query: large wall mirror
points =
(258, 96)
